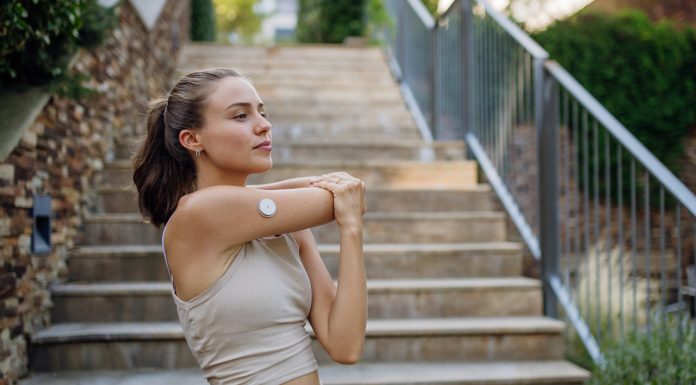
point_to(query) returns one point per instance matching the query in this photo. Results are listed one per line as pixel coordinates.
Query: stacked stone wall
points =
(61, 154)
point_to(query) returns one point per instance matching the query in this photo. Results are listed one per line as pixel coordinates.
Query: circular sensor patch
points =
(267, 207)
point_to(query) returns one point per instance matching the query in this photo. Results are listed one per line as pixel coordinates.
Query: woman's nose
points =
(264, 125)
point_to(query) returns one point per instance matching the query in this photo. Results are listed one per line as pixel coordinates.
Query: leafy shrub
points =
(330, 21)
(202, 20)
(642, 72)
(38, 38)
(661, 357)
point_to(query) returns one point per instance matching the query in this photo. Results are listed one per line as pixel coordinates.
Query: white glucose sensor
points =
(267, 207)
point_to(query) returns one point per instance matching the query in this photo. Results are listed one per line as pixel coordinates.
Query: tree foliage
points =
(239, 17)
(50, 31)
(642, 72)
(330, 21)
(202, 20)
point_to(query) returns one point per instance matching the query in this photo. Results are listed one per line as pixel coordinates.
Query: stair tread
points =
(127, 164)
(163, 287)
(367, 373)
(416, 215)
(73, 332)
(478, 188)
(138, 250)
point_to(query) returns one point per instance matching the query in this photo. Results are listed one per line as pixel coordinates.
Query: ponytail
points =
(160, 176)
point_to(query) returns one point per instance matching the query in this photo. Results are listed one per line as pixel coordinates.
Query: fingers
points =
(335, 177)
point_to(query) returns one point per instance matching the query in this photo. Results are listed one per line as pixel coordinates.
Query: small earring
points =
(198, 153)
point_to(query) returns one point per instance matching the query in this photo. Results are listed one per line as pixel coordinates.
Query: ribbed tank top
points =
(248, 327)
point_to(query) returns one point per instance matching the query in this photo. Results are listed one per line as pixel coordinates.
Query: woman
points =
(245, 269)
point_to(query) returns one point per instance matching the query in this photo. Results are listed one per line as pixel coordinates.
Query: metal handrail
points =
(515, 32)
(522, 89)
(422, 13)
(619, 131)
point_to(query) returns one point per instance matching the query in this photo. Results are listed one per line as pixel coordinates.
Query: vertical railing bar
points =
(478, 79)
(634, 246)
(647, 245)
(679, 270)
(528, 88)
(434, 62)
(508, 106)
(467, 61)
(546, 114)
(498, 100)
(586, 209)
(663, 279)
(607, 170)
(578, 242)
(487, 83)
(595, 138)
(565, 139)
(619, 193)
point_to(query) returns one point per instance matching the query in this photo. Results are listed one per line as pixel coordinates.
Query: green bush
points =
(202, 20)
(38, 37)
(642, 72)
(661, 357)
(330, 21)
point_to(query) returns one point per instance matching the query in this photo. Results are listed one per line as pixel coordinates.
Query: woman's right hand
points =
(349, 197)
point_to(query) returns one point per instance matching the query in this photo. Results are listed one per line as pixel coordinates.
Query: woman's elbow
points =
(347, 356)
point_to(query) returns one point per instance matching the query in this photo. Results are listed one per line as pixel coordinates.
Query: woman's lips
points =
(266, 146)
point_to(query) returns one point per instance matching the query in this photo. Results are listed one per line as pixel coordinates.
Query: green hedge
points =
(642, 72)
(661, 357)
(38, 38)
(330, 21)
(202, 20)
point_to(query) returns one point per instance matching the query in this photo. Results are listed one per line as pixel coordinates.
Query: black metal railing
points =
(612, 227)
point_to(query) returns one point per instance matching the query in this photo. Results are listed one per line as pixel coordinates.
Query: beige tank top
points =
(248, 327)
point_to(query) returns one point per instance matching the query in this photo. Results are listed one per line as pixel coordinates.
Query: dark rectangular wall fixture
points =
(41, 230)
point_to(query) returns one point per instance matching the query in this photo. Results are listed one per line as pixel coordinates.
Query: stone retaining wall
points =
(61, 154)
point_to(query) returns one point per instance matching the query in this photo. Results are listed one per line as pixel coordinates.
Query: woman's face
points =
(234, 127)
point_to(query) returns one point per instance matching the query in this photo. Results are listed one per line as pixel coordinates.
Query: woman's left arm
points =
(300, 182)
(339, 314)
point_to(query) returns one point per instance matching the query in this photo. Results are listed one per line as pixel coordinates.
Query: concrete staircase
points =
(447, 304)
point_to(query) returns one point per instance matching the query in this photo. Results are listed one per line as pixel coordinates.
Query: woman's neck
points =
(208, 178)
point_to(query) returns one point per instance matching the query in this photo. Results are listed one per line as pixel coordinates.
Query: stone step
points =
(273, 79)
(314, 52)
(341, 113)
(344, 133)
(275, 65)
(102, 346)
(379, 227)
(391, 373)
(395, 174)
(376, 95)
(346, 123)
(299, 74)
(424, 227)
(395, 298)
(113, 199)
(382, 261)
(311, 149)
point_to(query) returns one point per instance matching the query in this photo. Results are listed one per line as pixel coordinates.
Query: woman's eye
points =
(265, 115)
(240, 116)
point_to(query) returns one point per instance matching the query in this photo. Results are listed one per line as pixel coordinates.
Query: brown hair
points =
(163, 170)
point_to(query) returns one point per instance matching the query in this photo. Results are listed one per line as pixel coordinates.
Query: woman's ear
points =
(190, 140)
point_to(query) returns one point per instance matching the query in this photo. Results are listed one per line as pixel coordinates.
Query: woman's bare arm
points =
(339, 315)
(285, 184)
(224, 216)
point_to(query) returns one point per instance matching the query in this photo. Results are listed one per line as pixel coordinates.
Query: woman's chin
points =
(263, 167)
